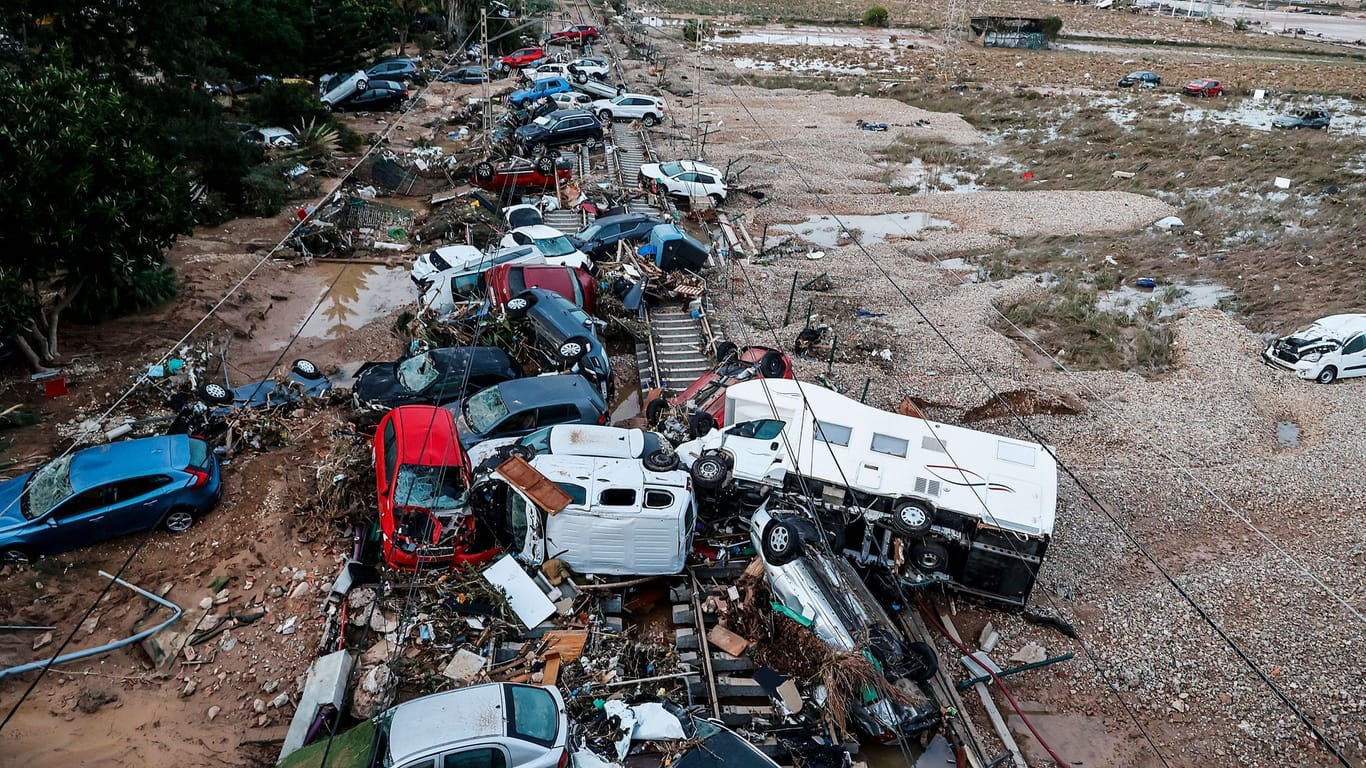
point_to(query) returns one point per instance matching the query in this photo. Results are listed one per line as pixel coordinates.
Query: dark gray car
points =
(518, 407)
(558, 129)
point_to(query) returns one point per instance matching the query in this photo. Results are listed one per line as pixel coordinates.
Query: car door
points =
(77, 522)
(478, 756)
(756, 447)
(550, 415)
(137, 504)
(706, 184)
(1354, 357)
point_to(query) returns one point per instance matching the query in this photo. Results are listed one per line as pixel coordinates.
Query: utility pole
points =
(487, 111)
(954, 24)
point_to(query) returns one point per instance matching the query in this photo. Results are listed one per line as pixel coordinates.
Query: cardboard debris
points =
(464, 667)
(727, 640)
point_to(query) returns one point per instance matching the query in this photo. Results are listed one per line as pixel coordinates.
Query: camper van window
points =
(892, 446)
(1014, 452)
(834, 434)
(577, 493)
(617, 497)
(763, 429)
(658, 499)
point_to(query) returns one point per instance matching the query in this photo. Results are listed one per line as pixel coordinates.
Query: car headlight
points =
(1312, 357)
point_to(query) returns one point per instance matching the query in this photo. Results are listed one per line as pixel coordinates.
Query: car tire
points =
(214, 393)
(605, 115)
(650, 120)
(912, 517)
(362, 85)
(773, 365)
(179, 520)
(929, 557)
(591, 142)
(922, 662)
(14, 556)
(483, 171)
(306, 368)
(700, 423)
(545, 166)
(1327, 376)
(580, 77)
(710, 470)
(519, 305)
(661, 461)
(724, 351)
(781, 543)
(523, 452)
(573, 349)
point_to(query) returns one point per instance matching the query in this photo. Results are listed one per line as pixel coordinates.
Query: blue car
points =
(98, 493)
(394, 69)
(521, 406)
(562, 336)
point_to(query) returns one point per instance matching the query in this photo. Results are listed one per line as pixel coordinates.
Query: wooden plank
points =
(710, 679)
(989, 704)
(727, 640)
(551, 675)
(566, 644)
(537, 487)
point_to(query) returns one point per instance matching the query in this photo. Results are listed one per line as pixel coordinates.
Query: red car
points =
(1203, 87)
(704, 401)
(424, 477)
(579, 33)
(505, 281)
(518, 175)
(522, 57)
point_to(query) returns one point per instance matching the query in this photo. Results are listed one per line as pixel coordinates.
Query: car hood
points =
(378, 383)
(651, 170)
(11, 516)
(529, 130)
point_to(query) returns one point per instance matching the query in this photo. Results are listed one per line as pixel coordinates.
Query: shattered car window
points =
(485, 409)
(672, 169)
(435, 488)
(418, 372)
(555, 246)
(50, 485)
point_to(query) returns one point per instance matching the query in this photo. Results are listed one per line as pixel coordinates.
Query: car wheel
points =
(361, 85)
(605, 115)
(520, 304)
(929, 558)
(922, 662)
(1328, 375)
(13, 556)
(773, 365)
(215, 394)
(661, 461)
(523, 452)
(650, 121)
(580, 77)
(724, 351)
(545, 166)
(912, 518)
(591, 142)
(306, 369)
(179, 520)
(572, 349)
(483, 171)
(710, 470)
(700, 423)
(781, 543)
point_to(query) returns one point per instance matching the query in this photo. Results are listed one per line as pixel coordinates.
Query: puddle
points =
(916, 176)
(1167, 300)
(826, 232)
(361, 294)
(1082, 739)
(1288, 434)
(1248, 113)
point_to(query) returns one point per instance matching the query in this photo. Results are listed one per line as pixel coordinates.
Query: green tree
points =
(875, 17)
(82, 202)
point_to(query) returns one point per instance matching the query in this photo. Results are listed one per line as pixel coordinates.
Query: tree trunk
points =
(26, 350)
(54, 314)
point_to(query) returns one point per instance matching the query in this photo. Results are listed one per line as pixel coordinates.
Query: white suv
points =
(1330, 349)
(686, 178)
(631, 106)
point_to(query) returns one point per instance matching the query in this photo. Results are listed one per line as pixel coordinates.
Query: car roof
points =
(538, 231)
(426, 436)
(596, 472)
(693, 165)
(484, 357)
(532, 391)
(618, 218)
(596, 440)
(127, 459)
(1343, 325)
(444, 719)
(559, 113)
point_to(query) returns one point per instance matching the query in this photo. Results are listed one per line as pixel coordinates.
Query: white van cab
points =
(581, 440)
(621, 518)
(1330, 349)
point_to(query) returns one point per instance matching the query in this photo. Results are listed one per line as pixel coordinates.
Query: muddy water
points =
(826, 232)
(938, 754)
(1288, 434)
(358, 294)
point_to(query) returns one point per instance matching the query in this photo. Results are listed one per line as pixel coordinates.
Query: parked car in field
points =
(435, 377)
(503, 282)
(702, 405)
(562, 336)
(495, 725)
(517, 407)
(1304, 118)
(522, 57)
(519, 175)
(572, 100)
(1332, 348)
(466, 76)
(813, 582)
(403, 70)
(552, 243)
(621, 519)
(577, 34)
(558, 129)
(685, 178)
(539, 89)
(380, 96)
(582, 440)
(98, 493)
(630, 106)
(423, 479)
(1203, 87)
(581, 70)
(599, 239)
(465, 282)
(1141, 79)
(271, 137)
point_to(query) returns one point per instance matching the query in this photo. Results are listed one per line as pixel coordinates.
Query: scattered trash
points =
(526, 599)
(1169, 222)
(1282, 183)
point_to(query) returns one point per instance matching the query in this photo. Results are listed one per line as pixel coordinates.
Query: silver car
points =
(499, 724)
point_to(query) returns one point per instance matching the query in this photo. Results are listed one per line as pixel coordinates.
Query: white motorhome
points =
(621, 518)
(975, 508)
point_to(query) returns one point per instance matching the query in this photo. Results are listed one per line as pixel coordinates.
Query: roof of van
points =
(1341, 326)
(595, 440)
(596, 472)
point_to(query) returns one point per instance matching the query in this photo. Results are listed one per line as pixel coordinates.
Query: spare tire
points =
(306, 369)
(773, 365)
(214, 393)
(654, 410)
(710, 470)
(724, 351)
(483, 171)
(573, 349)
(700, 423)
(929, 557)
(912, 517)
(661, 461)
(781, 543)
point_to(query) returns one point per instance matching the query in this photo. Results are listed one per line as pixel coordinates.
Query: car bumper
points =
(1271, 360)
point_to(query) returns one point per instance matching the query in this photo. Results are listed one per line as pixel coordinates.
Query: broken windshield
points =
(418, 372)
(555, 246)
(48, 487)
(433, 488)
(483, 410)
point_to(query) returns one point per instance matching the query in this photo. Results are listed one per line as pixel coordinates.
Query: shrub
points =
(101, 300)
(283, 104)
(266, 189)
(1052, 25)
(875, 17)
(696, 30)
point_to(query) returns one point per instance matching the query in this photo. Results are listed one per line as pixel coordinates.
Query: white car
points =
(582, 440)
(1330, 349)
(551, 242)
(572, 100)
(630, 106)
(428, 265)
(552, 69)
(686, 178)
(272, 137)
(597, 88)
(338, 88)
(460, 279)
(582, 69)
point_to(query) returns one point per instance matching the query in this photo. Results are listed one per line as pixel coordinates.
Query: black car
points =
(1140, 79)
(599, 239)
(379, 96)
(516, 408)
(562, 335)
(558, 129)
(467, 75)
(435, 377)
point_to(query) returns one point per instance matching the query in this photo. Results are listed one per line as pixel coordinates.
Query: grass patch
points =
(1067, 322)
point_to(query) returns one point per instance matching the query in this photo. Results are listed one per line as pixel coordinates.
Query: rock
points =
(248, 584)
(91, 699)
(90, 624)
(189, 689)
(287, 628)
(258, 705)
(42, 640)
(213, 711)
(371, 693)
(300, 590)
(261, 721)
(227, 641)
(1031, 653)
(279, 701)
(221, 597)
(378, 653)
(360, 598)
(271, 686)
(299, 575)
(384, 622)
(989, 638)
(275, 590)
(206, 603)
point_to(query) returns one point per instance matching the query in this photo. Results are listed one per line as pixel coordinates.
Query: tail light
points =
(564, 759)
(201, 478)
(602, 419)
